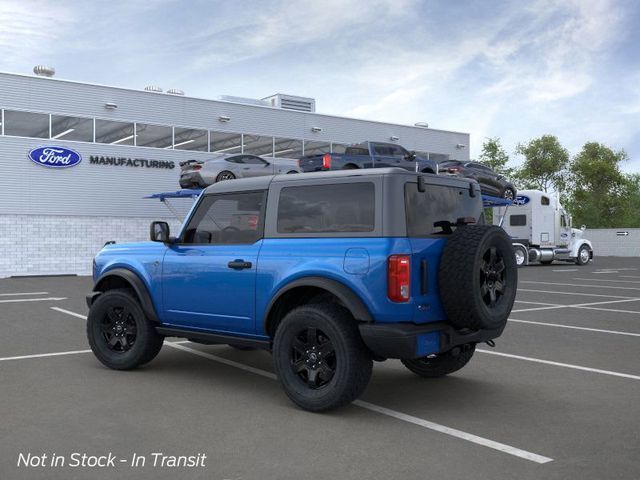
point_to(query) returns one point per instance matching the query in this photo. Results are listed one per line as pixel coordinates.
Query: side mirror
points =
(159, 232)
(583, 228)
(411, 156)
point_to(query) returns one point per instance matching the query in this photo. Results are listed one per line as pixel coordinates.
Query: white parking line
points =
(485, 442)
(73, 314)
(578, 305)
(391, 413)
(575, 293)
(41, 355)
(605, 280)
(581, 285)
(567, 270)
(539, 303)
(533, 457)
(27, 293)
(558, 364)
(573, 327)
(48, 299)
(635, 312)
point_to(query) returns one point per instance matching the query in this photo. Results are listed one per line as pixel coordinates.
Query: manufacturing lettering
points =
(131, 162)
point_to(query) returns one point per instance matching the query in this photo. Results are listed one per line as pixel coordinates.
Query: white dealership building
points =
(119, 145)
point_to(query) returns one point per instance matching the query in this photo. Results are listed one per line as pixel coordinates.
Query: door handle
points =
(239, 264)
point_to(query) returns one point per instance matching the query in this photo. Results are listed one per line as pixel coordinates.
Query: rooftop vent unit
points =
(244, 100)
(44, 71)
(175, 91)
(153, 88)
(291, 102)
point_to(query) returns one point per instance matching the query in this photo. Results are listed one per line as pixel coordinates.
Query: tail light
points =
(398, 278)
(196, 167)
(326, 161)
(454, 170)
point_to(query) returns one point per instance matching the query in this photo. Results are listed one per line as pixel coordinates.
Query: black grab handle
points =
(239, 264)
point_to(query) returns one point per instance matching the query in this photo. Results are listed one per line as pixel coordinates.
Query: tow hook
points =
(491, 343)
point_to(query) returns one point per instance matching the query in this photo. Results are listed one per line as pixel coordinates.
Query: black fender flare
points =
(136, 283)
(347, 296)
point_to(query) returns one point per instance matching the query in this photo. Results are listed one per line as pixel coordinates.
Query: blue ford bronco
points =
(329, 271)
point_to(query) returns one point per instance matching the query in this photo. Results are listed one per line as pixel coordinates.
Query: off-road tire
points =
(442, 364)
(144, 346)
(469, 277)
(351, 361)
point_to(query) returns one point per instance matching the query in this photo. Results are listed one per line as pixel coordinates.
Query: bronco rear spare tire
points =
(478, 277)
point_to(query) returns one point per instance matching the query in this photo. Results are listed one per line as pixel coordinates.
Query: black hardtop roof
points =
(262, 183)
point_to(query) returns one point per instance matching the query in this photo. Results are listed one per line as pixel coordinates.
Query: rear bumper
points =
(189, 180)
(407, 340)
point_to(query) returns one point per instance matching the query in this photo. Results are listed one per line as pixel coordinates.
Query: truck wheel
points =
(521, 255)
(119, 333)
(225, 175)
(478, 277)
(440, 365)
(319, 357)
(583, 255)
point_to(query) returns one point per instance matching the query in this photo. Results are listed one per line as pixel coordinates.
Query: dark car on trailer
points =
(491, 183)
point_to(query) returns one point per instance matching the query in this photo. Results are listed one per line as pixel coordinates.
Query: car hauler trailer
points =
(541, 230)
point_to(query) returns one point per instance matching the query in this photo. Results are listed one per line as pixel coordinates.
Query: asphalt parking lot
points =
(558, 398)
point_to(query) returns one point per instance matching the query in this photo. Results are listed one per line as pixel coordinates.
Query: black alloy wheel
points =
(313, 357)
(118, 328)
(119, 333)
(492, 285)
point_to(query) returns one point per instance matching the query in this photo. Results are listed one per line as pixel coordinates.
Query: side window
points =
(253, 160)
(518, 220)
(235, 218)
(237, 159)
(383, 150)
(347, 207)
(563, 221)
(544, 201)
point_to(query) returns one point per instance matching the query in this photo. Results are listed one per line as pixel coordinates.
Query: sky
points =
(509, 69)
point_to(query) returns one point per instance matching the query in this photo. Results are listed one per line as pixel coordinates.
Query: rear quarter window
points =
(339, 208)
(437, 204)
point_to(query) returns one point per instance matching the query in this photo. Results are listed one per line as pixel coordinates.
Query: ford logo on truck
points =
(55, 157)
(521, 200)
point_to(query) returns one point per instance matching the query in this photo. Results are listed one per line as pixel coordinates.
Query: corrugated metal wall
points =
(614, 242)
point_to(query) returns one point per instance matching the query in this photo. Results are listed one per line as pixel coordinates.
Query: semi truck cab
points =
(541, 230)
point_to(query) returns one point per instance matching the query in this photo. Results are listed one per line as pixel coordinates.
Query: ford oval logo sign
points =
(521, 200)
(55, 157)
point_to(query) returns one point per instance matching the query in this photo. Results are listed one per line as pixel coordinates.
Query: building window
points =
(316, 148)
(222, 142)
(190, 139)
(26, 124)
(157, 136)
(115, 133)
(257, 145)
(71, 128)
(287, 148)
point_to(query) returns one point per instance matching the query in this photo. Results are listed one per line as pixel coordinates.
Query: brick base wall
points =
(48, 245)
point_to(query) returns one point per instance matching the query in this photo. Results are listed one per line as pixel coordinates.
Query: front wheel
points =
(119, 333)
(520, 254)
(509, 194)
(442, 364)
(584, 254)
(319, 357)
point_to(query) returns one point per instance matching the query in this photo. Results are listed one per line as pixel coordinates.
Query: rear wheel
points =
(225, 175)
(319, 357)
(442, 364)
(119, 333)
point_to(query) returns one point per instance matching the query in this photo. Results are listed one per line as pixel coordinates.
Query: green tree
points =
(599, 193)
(495, 157)
(545, 164)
